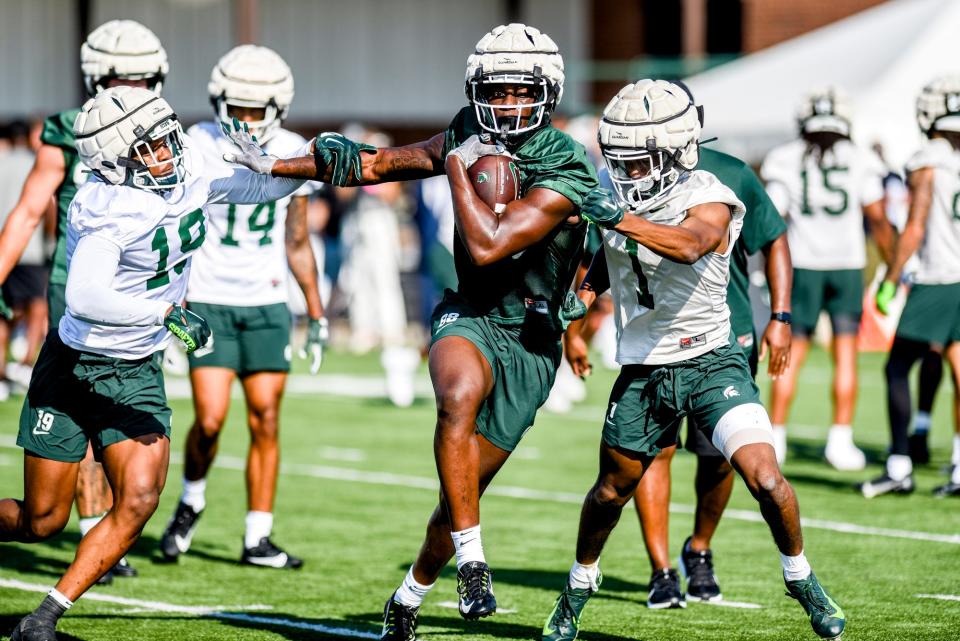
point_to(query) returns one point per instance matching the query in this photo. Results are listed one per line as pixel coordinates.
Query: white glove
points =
(249, 153)
(474, 147)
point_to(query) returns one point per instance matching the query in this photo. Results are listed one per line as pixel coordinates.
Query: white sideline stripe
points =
(723, 603)
(940, 597)
(290, 623)
(332, 384)
(342, 454)
(453, 605)
(423, 483)
(154, 606)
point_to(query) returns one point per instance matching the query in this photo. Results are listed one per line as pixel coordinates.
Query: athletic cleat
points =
(826, 617)
(106, 578)
(697, 568)
(268, 555)
(563, 624)
(399, 621)
(34, 628)
(665, 590)
(883, 484)
(843, 455)
(124, 569)
(475, 587)
(947, 489)
(919, 448)
(176, 538)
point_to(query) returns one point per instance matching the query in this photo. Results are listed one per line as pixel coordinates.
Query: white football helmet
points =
(117, 132)
(519, 55)
(122, 49)
(649, 136)
(825, 110)
(938, 105)
(252, 76)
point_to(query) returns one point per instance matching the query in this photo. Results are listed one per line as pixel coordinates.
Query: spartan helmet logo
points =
(953, 102)
(823, 106)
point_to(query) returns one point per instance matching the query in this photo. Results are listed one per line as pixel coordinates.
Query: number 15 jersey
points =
(665, 311)
(243, 263)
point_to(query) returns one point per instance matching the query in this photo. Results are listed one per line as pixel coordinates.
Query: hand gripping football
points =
(496, 181)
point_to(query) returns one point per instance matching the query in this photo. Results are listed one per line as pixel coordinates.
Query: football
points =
(496, 181)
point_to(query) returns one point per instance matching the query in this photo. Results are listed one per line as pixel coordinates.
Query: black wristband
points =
(783, 317)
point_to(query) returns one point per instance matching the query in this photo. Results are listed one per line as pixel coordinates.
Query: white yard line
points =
(153, 606)
(425, 483)
(723, 603)
(939, 597)
(299, 625)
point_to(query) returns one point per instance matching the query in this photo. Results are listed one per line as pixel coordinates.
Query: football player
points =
(763, 230)
(825, 186)
(669, 232)
(239, 285)
(931, 316)
(131, 231)
(117, 53)
(496, 340)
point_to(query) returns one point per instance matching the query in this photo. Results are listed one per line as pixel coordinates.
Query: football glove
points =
(190, 328)
(601, 208)
(249, 153)
(885, 295)
(572, 309)
(5, 311)
(474, 147)
(318, 335)
(342, 154)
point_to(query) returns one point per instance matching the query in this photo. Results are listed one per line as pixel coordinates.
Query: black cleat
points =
(883, 484)
(124, 569)
(919, 448)
(268, 555)
(665, 590)
(947, 489)
(106, 579)
(399, 621)
(179, 533)
(475, 587)
(697, 569)
(34, 628)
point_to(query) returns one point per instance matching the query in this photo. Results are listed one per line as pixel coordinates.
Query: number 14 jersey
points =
(665, 311)
(244, 261)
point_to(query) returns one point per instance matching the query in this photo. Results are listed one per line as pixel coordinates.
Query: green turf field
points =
(359, 482)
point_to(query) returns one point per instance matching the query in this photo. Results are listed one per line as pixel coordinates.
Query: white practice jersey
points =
(939, 255)
(244, 261)
(156, 232)
(823, 199)
(666, 311)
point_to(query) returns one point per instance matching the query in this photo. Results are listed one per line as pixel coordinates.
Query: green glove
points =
(601, 208)
(341, 153)
(5, 311)
(572, 309)
(885, 295)
(190, 328)
(318, 335)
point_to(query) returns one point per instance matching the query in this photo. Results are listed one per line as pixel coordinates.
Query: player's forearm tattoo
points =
(408, 159)
(303, 167)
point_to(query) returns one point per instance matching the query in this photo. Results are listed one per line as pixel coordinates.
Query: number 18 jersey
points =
(665, 311)
(244, 261)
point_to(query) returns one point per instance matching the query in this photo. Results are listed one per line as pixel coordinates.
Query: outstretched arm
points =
(40, 187)
(703, 230)
(490, 237)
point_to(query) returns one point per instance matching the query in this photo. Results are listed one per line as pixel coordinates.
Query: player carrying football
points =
(669, 233)
(496, 341)
(131, 231)
(239, 285)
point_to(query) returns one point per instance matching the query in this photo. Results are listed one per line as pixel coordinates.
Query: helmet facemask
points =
(642, 177)
(511, 120)
(262, 129)
(143, 157)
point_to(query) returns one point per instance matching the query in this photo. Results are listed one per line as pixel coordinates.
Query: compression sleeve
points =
(90, 295)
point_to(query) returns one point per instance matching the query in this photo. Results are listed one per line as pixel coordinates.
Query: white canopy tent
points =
(881, 58)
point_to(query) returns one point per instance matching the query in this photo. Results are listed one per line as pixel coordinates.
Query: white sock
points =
(259, 525)
(87, 523)
(411, 593)
(955, 475)
(955, 456)
(60, 598)
(194, 494)
(899, 466)
(468, 546)
(921, 423)
(780, 443)
(842, 433)
(795, 567)
(583, 577)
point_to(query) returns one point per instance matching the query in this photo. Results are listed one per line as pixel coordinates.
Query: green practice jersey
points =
(58, 132)
(529, 286)
(762, 224)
